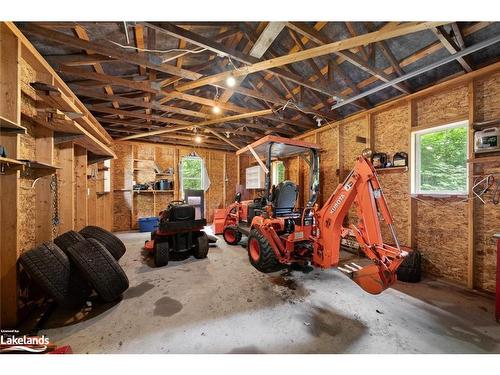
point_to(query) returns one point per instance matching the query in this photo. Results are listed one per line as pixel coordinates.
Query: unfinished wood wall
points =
(135, 161)
(438, 227)
(37, 204)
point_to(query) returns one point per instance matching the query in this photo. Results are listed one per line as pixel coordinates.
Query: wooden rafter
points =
(342, 45)
(452, 47)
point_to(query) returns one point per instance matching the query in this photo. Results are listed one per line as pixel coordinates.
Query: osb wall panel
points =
(486, 224)
(487, 215)
(122, 210)
(441, 237)
(304, 175)
(27, 150)
(144, 159)
(391, 129)
(442, 108)
(161, 202)
(352, 147)
(487, 98)
(143, 206)
(230, 178)
(245, 162)
(329, 162)
(122, 166)
(214, 196)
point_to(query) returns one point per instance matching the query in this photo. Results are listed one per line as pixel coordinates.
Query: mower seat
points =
(284, 198)
(180, 212)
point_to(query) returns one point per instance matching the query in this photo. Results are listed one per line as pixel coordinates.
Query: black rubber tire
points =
(68, 239)
(267, 261)
(237, 235)
(410, 270)
(99, 268)
(51, 269)
(200, 250)
(114, 245)
(161, 253)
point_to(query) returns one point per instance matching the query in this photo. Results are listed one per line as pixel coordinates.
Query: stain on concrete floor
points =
(223, 305)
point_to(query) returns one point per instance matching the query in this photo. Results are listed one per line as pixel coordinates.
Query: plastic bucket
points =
(148, 224)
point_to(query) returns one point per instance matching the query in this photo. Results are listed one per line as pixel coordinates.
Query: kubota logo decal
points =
(337, 203)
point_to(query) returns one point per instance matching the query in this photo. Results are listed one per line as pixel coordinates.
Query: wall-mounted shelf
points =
(143, 169)
(391, 169)
(153, 191)
(7, 126)
(42, 169)
(485, 124)
(492, 157)
(144, 160)
(11, 164)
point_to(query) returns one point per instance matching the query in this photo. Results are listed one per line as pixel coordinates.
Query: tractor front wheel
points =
(261, 254)
(231, 235)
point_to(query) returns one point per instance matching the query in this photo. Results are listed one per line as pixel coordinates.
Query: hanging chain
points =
(55, 204)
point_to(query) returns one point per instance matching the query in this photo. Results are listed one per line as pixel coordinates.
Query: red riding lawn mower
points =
(280, 234)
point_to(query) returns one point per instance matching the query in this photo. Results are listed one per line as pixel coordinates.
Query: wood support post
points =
(80, 187)
(10, 99)
(44, 143)
(66, 177)
(412, 203)
(470, 195)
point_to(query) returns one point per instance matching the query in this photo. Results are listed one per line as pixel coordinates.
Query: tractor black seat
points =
(284, 198)
(181, 226)
(179, 212)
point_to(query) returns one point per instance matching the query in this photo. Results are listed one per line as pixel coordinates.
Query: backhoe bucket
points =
(370, 278)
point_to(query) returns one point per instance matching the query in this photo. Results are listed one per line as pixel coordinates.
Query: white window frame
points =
(191, 178)
(274, 171)
(415, 160)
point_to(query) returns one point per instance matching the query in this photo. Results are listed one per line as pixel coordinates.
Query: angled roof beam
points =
(106, 50)
(200, 124)
(452, 47)
(354, 59)
(345, 44)
(220, 49)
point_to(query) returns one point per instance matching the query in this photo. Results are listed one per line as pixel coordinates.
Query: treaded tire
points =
(68, 239)
(200, 250)
(114, 245)
(410, 270)
(231, 235)
(51, 269)
(161, 253)
(266, 261)
(99, 268)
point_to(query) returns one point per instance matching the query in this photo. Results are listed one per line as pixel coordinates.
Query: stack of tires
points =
(77, 263)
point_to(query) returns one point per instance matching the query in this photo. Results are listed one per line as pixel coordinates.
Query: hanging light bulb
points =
(197, 139)
(216, 109)
(231, 81)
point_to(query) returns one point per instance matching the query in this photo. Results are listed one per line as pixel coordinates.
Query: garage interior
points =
(102, 121)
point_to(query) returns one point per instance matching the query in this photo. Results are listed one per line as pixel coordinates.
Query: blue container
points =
(148, 224)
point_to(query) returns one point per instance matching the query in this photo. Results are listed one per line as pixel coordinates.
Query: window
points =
(439, 165)
(277, 172)
(192, 173)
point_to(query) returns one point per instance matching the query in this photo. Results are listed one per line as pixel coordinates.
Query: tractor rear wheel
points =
(410, 270)
(161, 253)
(261, 254)
(231, 235)
(200, 250)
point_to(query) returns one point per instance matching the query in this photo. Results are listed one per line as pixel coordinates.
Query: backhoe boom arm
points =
(361, 188)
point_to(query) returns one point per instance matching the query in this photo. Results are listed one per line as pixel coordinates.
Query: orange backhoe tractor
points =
(281, 234)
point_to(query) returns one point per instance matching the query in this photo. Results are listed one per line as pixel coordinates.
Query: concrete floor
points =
(223, 305)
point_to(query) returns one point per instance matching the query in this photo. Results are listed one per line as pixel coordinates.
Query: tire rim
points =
(229, 235)
(254, 249)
